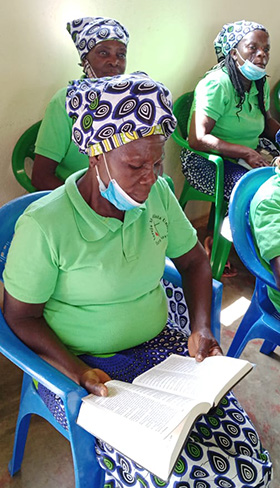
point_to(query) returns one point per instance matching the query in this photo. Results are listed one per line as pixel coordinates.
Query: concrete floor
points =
(47, 461)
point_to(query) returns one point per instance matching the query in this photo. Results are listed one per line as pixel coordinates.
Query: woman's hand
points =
(254, 159)
(93, 381)
(202, 344)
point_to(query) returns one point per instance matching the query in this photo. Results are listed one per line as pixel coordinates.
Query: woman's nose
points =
(114, 61)
(148, 178)
(262, 53)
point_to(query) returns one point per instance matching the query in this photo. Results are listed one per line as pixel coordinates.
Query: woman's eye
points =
(122, 55)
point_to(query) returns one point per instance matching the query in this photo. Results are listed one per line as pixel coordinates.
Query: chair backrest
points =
(9, 214)
(23, 149)
(239, 209)
(181, 110)
(277, 96)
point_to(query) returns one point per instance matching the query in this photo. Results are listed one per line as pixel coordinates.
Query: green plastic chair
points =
(23, 149)
(221, 246)
(277, 96)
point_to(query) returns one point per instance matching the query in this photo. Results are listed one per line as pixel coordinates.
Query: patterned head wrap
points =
(89, 31)
(110, 112)
(231, 34)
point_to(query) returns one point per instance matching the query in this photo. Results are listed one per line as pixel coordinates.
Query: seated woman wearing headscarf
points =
(102, 44)
(230, 112)
(95, 308)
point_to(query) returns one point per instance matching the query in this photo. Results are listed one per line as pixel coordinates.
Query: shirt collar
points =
(91, 225)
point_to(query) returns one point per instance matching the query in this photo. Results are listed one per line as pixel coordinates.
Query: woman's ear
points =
(95, 160)
(233, 54)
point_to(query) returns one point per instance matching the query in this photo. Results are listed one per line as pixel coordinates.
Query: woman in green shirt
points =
(94, 306)
(230, 114)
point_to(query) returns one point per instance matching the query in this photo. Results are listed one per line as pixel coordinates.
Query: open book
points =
(149, 420)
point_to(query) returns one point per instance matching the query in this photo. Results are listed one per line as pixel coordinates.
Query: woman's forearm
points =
(27, 322)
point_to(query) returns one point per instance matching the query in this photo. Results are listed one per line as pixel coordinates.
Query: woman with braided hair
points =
(230, 112)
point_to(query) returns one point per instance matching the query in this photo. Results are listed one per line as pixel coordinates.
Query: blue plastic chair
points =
(88, 473)
(261, 320)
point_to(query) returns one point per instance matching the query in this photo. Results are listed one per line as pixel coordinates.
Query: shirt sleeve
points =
(211, 97)
(182, 236)
(31, 271)
(266, 227)
(55, 133)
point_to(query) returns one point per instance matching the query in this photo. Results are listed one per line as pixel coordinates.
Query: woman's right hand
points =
(254, 159)
(93, 379)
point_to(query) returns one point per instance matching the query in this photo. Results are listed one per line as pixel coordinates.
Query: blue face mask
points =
(250, 70)
(114, 193)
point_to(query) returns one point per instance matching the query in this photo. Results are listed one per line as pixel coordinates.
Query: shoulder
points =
(60, 95)
(215, 78)
(267, 199)
(47, 213)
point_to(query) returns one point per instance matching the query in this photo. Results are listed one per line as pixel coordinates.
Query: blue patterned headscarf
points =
(89, 31)
(110, 112)
(231, 34)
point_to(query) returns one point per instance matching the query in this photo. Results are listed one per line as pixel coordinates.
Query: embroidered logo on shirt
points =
(158, 228)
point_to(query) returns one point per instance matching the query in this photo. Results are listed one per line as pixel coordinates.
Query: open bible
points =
(150, 419)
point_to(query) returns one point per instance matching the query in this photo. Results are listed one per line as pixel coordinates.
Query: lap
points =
(223, 446)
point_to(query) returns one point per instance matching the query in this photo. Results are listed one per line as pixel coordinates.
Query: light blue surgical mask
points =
(250, 70)
(114, 193)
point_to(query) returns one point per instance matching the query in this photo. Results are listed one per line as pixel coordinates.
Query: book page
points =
(208, 380)
(150, 409)
(140, 422)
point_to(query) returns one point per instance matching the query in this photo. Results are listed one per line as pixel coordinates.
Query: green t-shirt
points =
(54, 138)
(216, 97)
(265, 224)
(99, 277)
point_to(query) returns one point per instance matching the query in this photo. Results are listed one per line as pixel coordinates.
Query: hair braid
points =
(233, 73)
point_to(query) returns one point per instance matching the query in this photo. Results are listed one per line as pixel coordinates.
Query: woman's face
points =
(108, 58)
(135, 166)
(255, 47)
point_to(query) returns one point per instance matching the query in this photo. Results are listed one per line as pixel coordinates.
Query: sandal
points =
(230, 271)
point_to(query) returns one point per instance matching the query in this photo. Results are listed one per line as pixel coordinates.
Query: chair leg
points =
(218, 261)
(19, 444)
(88, 472)
(267, 347)
(242, 334)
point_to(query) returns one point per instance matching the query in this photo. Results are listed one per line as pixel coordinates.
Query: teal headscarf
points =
(231, 34)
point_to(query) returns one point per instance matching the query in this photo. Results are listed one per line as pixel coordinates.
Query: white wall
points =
(171, 40)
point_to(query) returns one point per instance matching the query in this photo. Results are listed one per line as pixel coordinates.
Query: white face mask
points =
(88, 70)
(250, 70)
(114, 193)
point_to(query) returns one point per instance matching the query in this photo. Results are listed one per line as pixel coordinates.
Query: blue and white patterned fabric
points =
(110, 112)
(89, 31)
(201, 173)
(231, 34)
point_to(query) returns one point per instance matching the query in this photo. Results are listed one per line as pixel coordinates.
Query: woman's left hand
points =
(202, 343)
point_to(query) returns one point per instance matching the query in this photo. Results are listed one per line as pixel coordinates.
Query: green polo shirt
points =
(265, 223)
(216, 97)
(99, 277)
(54, 138)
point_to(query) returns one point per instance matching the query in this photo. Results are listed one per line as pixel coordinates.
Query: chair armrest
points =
(29, 362)
(215, 158)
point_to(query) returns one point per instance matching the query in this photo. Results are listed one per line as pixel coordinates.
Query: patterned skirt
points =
(201, 173)
(223, 449)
